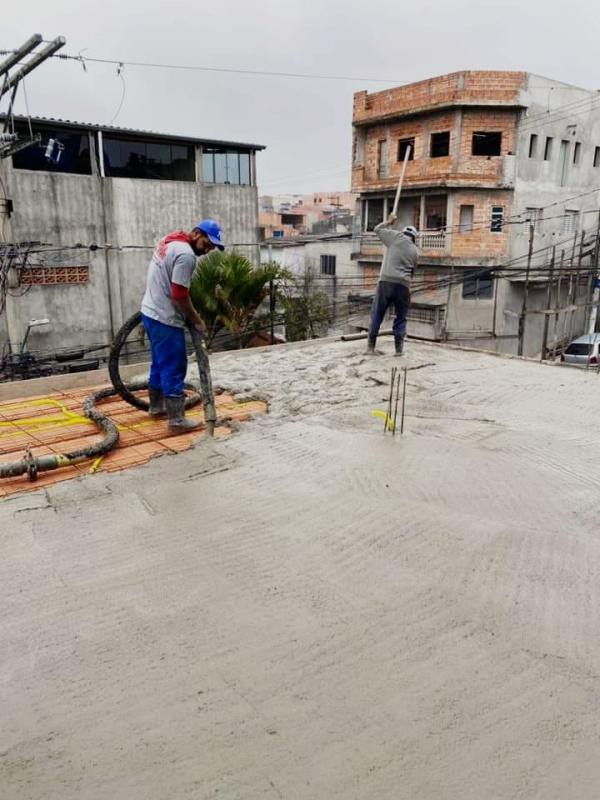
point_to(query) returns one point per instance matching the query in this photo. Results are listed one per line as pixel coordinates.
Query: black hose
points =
(122, 389)
(31, 465)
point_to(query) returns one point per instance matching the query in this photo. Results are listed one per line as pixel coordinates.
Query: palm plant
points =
(227, 290)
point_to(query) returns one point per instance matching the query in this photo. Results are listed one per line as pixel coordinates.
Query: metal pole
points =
(388, 416)
(272, 311)
(591, 328)
(21, 52)
(548, 301)
(558, 291)
(400, 182)
(34, 62)
(523, 317)
(397, 396)
(403, 402)
(208, 399)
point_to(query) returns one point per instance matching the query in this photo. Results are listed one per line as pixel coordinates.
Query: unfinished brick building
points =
(489, 150)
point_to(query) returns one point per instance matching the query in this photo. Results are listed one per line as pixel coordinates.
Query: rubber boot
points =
(371, 346)
(399, 345)
(157, 403)
(176, 414)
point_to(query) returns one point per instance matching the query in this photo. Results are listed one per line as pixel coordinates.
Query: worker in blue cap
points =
(167, 309)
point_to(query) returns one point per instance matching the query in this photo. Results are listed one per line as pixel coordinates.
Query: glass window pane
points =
(233, 168)
(245, 169)
(220, 168)
(183, 164)
(113, 161)
(158, 160)
(208, 168)
(59, 151)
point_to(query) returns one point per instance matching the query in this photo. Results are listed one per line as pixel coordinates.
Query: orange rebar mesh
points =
(54, 423)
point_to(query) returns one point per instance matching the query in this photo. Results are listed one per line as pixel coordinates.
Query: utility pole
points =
(593, 318)
(523, 316)
(13, 69)
(548, 301)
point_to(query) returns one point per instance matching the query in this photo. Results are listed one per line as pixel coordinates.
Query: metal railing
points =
(427, 240)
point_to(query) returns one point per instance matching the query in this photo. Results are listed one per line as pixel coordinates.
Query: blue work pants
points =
(387, 294)
(169, 357)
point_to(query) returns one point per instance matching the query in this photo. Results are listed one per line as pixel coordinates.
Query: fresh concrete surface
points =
(311, 610)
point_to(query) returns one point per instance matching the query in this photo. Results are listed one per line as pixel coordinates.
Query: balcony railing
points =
(431, 240)
(370, 244)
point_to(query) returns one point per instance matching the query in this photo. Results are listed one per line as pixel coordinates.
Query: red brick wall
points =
(457, 87)
(481, 243)
(460, 167)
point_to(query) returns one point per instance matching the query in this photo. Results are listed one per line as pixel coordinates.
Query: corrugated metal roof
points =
(90, 126)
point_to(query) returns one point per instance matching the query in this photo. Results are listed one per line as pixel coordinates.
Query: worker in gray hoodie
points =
(393, 288)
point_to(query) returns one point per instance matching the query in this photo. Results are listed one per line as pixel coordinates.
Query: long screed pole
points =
(401, 181)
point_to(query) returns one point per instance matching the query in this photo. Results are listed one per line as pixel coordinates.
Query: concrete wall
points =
(66, 209)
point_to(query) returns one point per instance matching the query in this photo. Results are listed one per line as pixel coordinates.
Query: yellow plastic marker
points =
(383, 415)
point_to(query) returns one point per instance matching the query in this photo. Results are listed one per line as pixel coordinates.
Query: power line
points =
(232, 70)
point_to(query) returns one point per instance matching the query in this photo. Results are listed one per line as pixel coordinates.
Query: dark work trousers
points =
(387, 294)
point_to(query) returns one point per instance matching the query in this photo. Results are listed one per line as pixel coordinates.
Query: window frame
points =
(222, 169)
(533, 145)
(403, 144)
(140, 146)
(497, 219)
(548, 144)
(327, 263)
(478, 136)
(432, 145)
(478, 294)
(597, 157)
(462, 227)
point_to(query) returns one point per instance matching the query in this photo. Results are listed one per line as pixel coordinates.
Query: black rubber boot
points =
(399, 345)
(176, 414)
(371, 346)
(157, 403)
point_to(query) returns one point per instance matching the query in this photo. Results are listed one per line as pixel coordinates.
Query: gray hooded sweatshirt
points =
(400, 257)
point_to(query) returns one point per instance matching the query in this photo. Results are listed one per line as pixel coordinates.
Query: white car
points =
(584, 351)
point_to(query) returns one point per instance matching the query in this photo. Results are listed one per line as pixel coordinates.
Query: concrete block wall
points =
(65, 209)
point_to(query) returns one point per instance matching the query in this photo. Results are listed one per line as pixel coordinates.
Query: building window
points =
(466, 219)
(59, 151)
(486, 143)
(479, 287)
(403, 146)
(440, 144)
(570, 221)
(374, 214)
(533, 142)
(327, 265)
(533, 215)
(577, 153)
(151, 160)
(435, 212)
(225, 166)
(548, 149)
(597, 157)
(497, 219)
(382, 158)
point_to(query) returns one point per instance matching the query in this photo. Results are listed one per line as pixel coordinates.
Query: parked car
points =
(584, 351)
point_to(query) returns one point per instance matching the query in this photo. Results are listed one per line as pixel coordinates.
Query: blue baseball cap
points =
(212, 229)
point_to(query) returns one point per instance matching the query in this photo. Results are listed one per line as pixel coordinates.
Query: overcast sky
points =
(305, 124)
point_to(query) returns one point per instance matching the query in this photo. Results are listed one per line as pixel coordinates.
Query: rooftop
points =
(311, 609)
(91, 126)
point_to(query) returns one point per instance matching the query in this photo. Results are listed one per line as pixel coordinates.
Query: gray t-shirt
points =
(176, 266)
(400, 257)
